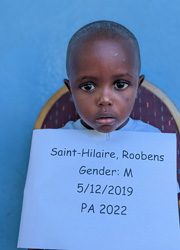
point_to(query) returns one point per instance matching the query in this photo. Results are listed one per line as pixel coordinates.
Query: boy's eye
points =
(121, 84)
(89, 86)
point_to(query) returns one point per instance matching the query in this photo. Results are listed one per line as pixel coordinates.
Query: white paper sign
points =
(87, 190)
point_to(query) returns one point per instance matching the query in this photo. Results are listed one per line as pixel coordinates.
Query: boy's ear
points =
(141, 79)
(66, 82)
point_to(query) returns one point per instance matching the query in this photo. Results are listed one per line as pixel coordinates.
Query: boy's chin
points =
(108, 128)
(105, 129)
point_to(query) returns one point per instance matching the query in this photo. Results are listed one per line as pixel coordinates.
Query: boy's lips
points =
(105, 119)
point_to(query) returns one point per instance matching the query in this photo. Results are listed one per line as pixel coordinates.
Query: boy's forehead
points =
(117, 55)
(90, 41)
(93, 44)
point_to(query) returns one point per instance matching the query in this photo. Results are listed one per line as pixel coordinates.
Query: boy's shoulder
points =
(74, 125)
(132, 125)
(139, 126)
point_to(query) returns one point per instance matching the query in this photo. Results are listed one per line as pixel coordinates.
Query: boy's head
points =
(103, 65)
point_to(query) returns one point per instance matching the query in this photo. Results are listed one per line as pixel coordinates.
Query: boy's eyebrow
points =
(123, 75)
(83, 78)
(94, 78)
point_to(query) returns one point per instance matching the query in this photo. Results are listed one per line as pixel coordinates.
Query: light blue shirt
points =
(131, 125)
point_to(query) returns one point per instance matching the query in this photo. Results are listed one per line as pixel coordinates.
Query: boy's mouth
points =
(105, 119)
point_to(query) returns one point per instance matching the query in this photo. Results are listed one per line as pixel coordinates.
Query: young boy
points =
(103, 67)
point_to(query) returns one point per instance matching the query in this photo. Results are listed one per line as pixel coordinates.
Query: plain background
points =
(33, 40)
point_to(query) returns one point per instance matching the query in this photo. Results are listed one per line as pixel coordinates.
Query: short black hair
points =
(103, 29)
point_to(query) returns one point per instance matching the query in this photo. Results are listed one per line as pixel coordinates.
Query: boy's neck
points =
(88, 127)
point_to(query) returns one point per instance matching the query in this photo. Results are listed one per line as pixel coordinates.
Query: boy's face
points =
(104, 79)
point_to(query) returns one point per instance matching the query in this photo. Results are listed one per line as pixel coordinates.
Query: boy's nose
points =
(104, 100)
